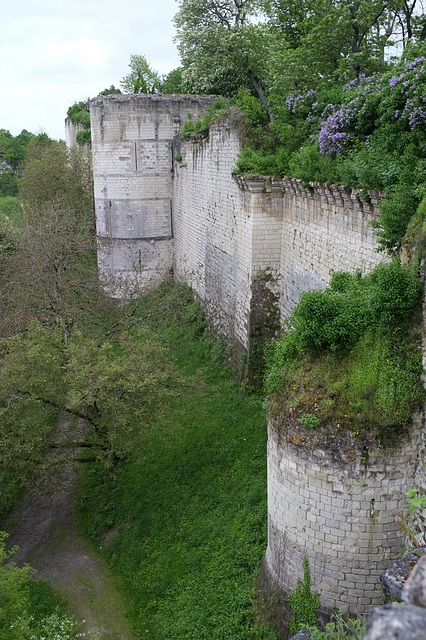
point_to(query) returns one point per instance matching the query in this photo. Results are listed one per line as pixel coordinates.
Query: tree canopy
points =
(142, 78)
(221, 49)
(272, 47)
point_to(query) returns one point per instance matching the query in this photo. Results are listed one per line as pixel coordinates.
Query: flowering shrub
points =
(404, 95)
(302, 104)
(354, 119)
(333, 137)
(372, 102)
(368, 134)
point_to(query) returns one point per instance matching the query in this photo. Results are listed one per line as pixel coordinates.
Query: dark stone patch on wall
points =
(264, 324)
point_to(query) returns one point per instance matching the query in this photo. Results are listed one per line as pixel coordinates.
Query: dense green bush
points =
(336, 317)
(9, 183)
(199, 127)
(327, 319)
(30, 610)
(349, 353)
(79, 112)
(82, 137)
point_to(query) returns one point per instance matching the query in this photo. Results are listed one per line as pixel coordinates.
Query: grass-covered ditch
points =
(182, 519)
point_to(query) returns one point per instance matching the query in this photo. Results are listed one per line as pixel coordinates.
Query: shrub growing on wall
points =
(79, 113)
(350, 354)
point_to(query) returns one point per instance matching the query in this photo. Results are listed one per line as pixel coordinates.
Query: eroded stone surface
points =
(397, 622)
(393, 579)
(414, 591)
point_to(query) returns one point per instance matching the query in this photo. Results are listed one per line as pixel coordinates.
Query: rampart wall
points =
(71, 130)
(338, 503)
(249, 246)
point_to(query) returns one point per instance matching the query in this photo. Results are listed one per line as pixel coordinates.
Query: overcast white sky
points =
(56, 52)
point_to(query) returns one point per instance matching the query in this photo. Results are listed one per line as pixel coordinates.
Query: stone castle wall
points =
(225, 234)
(71, 130)
(249, 246)
(326, 228)
(330, 501)
(244, 242)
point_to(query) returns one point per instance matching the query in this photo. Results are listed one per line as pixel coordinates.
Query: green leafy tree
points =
(173, 82)
(79, 112)
(52, 172)
(6, 235)
(142, 78)
(19, 148)
(111, 91)
(13, 151)
(221, 50)
(9, 181)
(13, 148)
(114, 387)
(409, 21)
(51, 273)
(328, 40)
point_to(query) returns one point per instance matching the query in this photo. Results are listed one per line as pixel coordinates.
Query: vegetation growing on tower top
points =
(350, 356)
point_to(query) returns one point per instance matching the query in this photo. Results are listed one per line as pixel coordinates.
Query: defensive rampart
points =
(249, 246)
(338, 502)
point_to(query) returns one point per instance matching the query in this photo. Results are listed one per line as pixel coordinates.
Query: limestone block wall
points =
(132, 145)
(249, 246)
(213, 231)
(227, 234)
(331, 502)
(71, 130)
(326, 228)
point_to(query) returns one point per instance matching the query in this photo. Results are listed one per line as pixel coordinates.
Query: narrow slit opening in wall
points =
(136, 158)
(140, 261)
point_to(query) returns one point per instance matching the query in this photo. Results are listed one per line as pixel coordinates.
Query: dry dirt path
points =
(44, 527)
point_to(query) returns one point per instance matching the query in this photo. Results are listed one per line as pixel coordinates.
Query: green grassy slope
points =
(183, 520)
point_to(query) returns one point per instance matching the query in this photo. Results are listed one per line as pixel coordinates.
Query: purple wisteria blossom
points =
(332, 137)
(353, 84)
(296, 103)
(407, 90)
(373, 100)
(367, 103)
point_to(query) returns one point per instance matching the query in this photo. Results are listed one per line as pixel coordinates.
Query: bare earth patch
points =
(44, 527)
